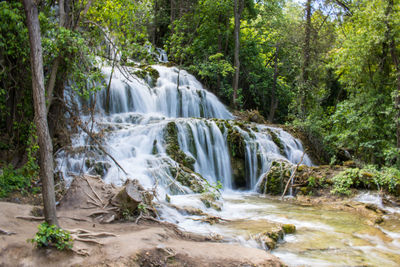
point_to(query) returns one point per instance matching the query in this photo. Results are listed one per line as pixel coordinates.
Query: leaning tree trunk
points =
(45, 145)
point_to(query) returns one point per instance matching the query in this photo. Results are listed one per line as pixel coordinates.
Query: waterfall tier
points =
(173, 129)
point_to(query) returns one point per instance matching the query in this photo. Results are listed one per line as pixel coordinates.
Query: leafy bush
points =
(388, 178)
(21, 179)
(344, 180)
(52, 236)
(13, 180)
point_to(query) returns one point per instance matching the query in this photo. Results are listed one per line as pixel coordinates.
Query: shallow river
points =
(323, 237)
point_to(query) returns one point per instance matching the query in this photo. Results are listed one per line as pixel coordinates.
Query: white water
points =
(136, 122)
(134, 132)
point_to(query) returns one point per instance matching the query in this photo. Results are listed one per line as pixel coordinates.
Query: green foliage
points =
(21, 179)
(388, 178)
(52, 236)
(142, 208)
(344, 180)
(13, 180)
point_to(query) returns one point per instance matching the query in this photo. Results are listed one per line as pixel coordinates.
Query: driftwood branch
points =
(293, 174)
(80, 124)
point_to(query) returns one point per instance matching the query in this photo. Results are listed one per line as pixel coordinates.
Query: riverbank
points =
(148, 243)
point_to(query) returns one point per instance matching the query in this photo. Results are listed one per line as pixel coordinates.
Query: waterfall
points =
(146, 103)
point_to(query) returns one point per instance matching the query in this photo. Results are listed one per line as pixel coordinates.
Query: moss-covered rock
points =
(270, 237)
(211, 200)
(289, 228)
(237, 148)
(250, 116)
(277, 141)
(172, 147)
(273, 182)
(97, 167)
(188, 178)
(147, 71)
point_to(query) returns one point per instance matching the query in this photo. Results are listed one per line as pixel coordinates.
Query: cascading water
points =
(135, 127)
(161, 125)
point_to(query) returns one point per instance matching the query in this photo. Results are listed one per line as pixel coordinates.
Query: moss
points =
(188, 178)
(237, 148)
(172, 147)
(289, 228)
(273, 181)
(277, 141)
(236, 143)
(146, 71)
(211, 201)
(97, 168)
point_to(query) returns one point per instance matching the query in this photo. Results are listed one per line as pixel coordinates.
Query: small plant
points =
(52, 236)
(143, 208)
(312, 182)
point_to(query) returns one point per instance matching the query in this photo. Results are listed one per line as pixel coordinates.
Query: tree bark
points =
(45, 145)
(306, 59)
(274, 102)
(237, 13)
(396, 62)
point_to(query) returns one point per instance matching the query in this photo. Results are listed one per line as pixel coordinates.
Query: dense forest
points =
(329, 67)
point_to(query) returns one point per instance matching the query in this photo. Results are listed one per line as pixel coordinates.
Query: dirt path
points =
(146, 244)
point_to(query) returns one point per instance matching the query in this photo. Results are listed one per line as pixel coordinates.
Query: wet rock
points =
(211, 200)
(270, 237)
(274, 180)
(379, 220)
(188, 210)
(172, 147)
(237, 147)
(97, 167)
(187, 177)
(277, 141)
(289, 228)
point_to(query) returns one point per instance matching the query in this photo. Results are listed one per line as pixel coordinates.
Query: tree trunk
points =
(274, 101)
(45, 145)
(396, 62)
(237, 13)
(306, 59)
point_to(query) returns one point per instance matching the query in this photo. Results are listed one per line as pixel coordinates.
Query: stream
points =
(146, 112)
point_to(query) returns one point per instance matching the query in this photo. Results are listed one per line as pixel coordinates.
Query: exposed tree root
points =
(30, 218)
(4, 232)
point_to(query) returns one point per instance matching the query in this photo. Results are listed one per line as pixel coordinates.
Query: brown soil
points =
(148, 243)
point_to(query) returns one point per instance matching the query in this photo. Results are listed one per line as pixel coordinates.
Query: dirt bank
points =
(146, 244)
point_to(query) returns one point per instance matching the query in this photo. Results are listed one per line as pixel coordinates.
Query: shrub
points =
(13, 180)
(344, 180)
(52, 236)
